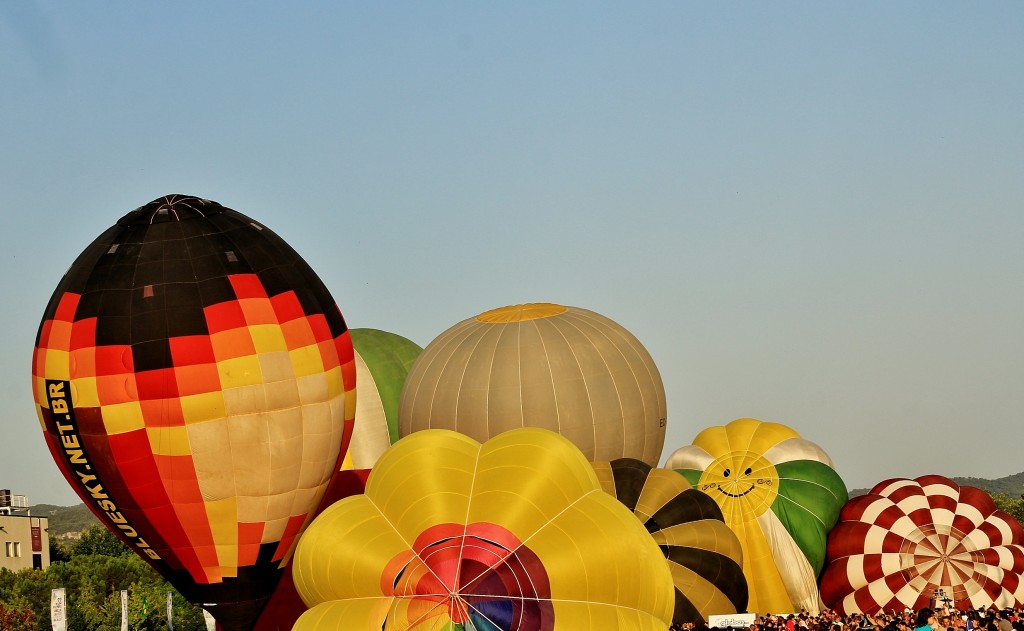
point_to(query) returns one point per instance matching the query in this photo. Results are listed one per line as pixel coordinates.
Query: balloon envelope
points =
(383, 361)
(703, 554)
(194, 380)
(451, 534)
(894, 547)
(561, 368)
(285, 605)
(780, 494)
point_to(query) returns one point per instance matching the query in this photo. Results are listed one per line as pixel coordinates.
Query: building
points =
(24, 541)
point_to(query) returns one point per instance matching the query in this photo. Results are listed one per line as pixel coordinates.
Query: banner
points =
(733, 620)
(124, 610)
(58, 610)
(170, 612)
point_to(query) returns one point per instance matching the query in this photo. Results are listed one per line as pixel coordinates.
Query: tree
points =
(28, 588)
(99, 540)
(98, 568)
(59, 552)
(1014, 507)
(17, 618)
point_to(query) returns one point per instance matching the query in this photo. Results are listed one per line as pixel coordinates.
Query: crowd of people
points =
(942, 619)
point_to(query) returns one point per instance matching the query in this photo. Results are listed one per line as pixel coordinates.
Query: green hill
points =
(1011, 485)
(65, 519)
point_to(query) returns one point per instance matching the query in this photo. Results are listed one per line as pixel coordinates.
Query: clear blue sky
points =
(809, 213)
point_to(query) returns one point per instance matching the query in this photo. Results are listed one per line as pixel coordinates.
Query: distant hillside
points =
(65, 519)
(1011, 485)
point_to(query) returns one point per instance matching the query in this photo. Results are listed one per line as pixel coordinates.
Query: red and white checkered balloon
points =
(894, 547)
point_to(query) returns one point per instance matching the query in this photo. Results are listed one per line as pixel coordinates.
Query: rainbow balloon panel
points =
(515, 534)
(195, 384)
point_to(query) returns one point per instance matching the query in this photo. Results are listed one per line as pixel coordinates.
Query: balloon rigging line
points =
(465, 519)
(538, 529)
(408, 545)
(799, 507)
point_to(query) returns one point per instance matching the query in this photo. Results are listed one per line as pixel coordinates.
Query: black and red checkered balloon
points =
(195, 383)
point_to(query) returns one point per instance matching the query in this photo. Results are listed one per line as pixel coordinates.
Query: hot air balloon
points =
(780, 494)
(566, 369)
(285, 606)
(515, 534)
(896, 546)
(383, 361)
(195, 384)
(703, 554)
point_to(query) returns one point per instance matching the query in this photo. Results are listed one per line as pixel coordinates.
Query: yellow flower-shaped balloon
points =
(514, 534)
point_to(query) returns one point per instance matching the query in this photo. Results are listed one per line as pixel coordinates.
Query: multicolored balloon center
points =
(478, 576)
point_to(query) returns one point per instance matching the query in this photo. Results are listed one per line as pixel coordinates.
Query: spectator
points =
(926, 620)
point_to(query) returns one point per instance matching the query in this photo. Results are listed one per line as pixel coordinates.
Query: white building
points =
(24, 541)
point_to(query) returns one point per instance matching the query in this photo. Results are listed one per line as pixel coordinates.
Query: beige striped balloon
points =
(566, 369)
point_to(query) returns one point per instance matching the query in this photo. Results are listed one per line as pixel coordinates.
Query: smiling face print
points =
(743, 483)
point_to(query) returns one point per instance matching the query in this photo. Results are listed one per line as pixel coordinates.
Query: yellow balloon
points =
(703, 554)
(512, 534)
(780, 494)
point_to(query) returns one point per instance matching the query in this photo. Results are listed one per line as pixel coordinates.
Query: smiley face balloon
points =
(780, 494)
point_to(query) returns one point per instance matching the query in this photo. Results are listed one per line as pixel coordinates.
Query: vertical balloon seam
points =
(516, 330)
(545, 328)
(572, 321)
(492, 335)
(479, 336)
(522, 542)
(539, 326)
(556, 323)
(414, 381)
(644, 358)
(592, 321)
(475, 471)
(442, 360)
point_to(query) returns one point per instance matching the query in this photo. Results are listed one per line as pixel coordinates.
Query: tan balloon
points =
(566, 369)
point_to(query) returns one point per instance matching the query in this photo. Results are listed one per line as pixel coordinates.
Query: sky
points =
(808, 213)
